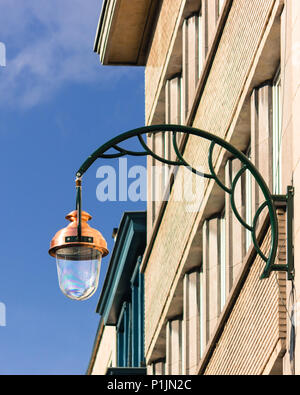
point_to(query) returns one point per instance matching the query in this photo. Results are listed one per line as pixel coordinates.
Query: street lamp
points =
(78, 248)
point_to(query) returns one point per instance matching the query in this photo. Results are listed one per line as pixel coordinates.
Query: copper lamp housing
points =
(78, 250)
(68, 236)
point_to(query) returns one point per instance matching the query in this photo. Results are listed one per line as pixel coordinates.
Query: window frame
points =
(277, 133)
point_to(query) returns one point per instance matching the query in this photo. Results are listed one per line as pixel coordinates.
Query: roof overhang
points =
(124, 31)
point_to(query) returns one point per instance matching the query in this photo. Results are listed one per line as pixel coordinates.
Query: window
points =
(192, 59)
(248, 204)
(220, 6)
(191, 333)
(248, 208)
(277, 134)
(212, 277)
(202, 316)
(174, 357)
(174, 114)
(222, 247)
(123, 336)
(130, 327)
(174, 111)
(182, 117)
(201, 44)
(137, 291)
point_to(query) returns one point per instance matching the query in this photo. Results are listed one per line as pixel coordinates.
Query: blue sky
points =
(57, 105)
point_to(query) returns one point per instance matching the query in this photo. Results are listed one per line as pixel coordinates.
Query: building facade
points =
(119, 341)
(231, 68)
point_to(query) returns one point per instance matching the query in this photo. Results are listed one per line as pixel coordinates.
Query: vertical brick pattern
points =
(238, 45)
(211, 16)
(257, 321)
(159, 48)
(228, 74)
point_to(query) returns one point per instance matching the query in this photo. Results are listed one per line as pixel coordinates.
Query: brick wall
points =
(257, 322)
(159, 49)
(290, 67)
(234, 57)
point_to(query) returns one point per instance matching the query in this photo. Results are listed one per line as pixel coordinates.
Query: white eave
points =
(124, 31)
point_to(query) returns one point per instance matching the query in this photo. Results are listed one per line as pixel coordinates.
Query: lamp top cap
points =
(73, 215)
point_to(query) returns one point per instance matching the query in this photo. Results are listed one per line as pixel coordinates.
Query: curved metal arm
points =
(101, 152)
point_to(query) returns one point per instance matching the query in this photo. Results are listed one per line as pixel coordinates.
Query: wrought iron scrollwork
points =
(247, 165)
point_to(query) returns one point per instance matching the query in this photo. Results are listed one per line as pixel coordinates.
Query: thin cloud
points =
(49, 44)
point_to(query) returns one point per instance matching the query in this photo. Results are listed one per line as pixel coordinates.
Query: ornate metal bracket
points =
(102, 152)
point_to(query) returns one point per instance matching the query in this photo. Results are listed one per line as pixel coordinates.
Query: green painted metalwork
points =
(102, 153)
(290, 231)
(78, 208)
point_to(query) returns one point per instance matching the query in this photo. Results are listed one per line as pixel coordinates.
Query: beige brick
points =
(107, 352)
(255, 334)
(159, 48)
(243, 32)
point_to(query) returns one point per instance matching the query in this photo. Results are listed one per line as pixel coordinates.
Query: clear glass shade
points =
(78, 271)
